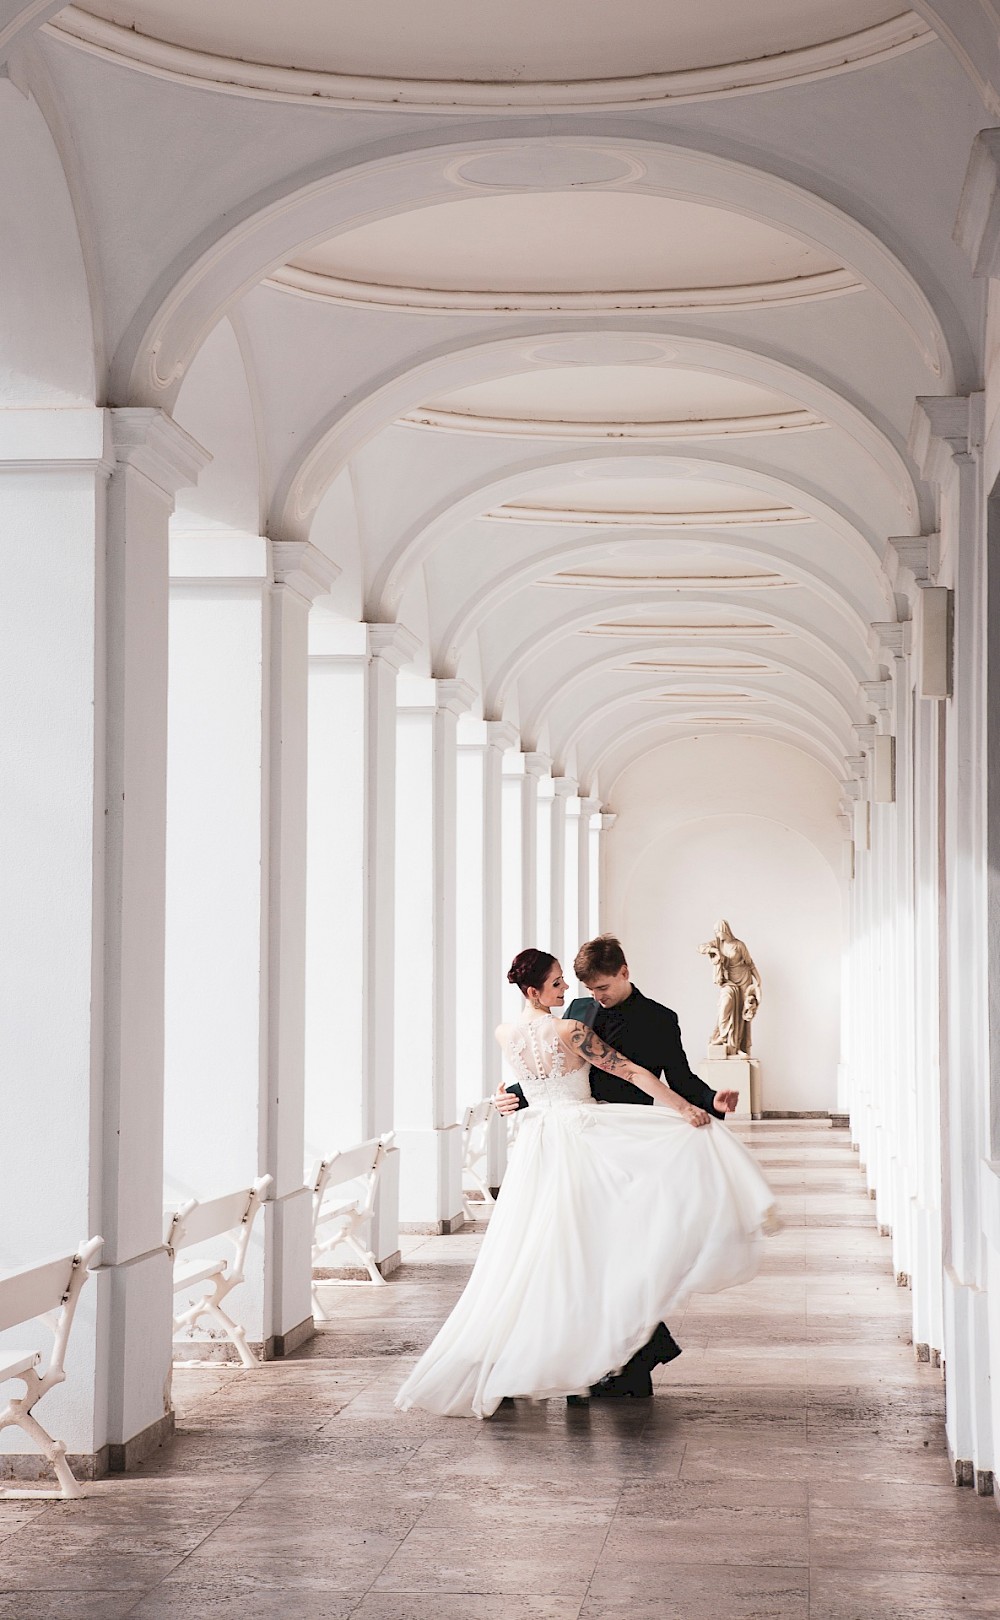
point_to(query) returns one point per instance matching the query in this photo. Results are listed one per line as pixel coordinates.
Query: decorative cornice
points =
(944, 427)
(918, 553)
(892, 637)
(151, 443)
(454, 696)
(865, 734)
(515, 427)
(458, 301)
(57, 440)
(393, 643)
(565, 787)
(536, 764)
(751, 517)
(666, 582)
(502, 734)
(263, 80)
(977, 228)
(301, 567)
(877, 694)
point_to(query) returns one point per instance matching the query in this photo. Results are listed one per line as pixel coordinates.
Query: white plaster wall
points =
(675, 865)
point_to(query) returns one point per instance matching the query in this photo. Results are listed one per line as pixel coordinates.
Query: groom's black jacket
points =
(646, 1033)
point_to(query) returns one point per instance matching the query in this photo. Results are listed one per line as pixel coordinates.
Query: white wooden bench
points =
(343, 1191)
(196, 1222)
(49, 1293)
(475, 1137)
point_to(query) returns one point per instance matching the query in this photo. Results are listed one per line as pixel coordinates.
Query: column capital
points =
(977, 228)
(564, 787)
(944, 427)
(918, 553)
(393, 643)
(892, 637)
(608, 819)
(866, 735)
(150, 442)
(303, 568)
(877, 694)
(588, 808)
(454, 696)
(536, 764)
(502, 734)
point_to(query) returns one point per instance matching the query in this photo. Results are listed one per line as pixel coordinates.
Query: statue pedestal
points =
(740, 1074)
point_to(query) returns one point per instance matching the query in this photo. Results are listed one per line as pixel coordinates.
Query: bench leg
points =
(237, 1335)
(366, 1257)
(15, 1414)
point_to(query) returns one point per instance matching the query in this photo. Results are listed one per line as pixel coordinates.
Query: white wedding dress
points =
(609, 1217)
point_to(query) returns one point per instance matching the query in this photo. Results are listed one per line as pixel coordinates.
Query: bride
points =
(610, 1216)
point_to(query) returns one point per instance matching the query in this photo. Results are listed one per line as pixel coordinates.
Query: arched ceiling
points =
(613, 412)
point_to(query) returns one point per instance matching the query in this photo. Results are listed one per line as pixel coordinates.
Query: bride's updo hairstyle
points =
(530, 969)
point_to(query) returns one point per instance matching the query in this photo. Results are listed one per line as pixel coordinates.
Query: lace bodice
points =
(538, 1059)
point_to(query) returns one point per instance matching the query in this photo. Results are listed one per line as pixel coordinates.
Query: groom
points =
(647, 1034)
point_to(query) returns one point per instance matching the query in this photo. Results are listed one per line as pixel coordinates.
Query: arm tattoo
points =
(595, 1051)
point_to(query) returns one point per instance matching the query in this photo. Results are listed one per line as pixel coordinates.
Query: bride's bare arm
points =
(590, 1048)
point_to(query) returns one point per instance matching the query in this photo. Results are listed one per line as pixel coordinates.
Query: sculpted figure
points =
(739, 991)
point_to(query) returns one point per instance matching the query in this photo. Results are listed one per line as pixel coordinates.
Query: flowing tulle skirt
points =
(610, 1216)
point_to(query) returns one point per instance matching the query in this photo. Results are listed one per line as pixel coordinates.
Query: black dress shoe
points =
(630, 1384)
(578, 1400)
(662, 1347)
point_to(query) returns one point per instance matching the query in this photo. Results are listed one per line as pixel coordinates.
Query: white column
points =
(585, 845)
(83, 656)
(947, 441)
(350, 957)
(603, 827)
(235, 900)
(301, 573)
(428, 1132)
(563, 789)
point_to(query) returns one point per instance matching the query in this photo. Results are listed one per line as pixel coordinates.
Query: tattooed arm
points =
(589, 1047)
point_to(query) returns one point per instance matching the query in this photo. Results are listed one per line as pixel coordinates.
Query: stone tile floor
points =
(790, 1467)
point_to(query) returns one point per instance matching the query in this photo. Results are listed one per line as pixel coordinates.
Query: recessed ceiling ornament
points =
(596, 581)
(514, 512)
(554, 168)
(511, 427)
(710, 300)
(668, 631)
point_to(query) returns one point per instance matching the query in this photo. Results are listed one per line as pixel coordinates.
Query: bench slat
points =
(17, 1361)
(34, 1291)
(213, 1218)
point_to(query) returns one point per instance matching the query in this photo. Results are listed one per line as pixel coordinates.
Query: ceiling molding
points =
(515, 427)
(668, 632)
(583, 580)
(263, 80)
(747, 517)
(462, 301)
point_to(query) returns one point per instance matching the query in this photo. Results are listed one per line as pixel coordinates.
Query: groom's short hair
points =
(601, 955)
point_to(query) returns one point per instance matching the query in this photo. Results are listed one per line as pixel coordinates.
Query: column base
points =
(31, 1467)
(430, 1179)
(286, 1344)
(385, 1268)
(442, 1228)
